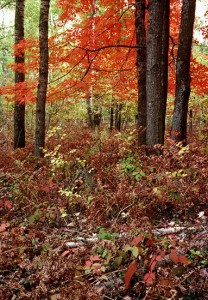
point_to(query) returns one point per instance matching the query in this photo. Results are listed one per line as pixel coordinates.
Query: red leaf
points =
(88, 264)
(4, 226)
(129, 273)
(174, 256)
(94, 258)
(136, 240)
(149, 278)
(183, 259)
(8, 204)
(152, 266)
(159, 258)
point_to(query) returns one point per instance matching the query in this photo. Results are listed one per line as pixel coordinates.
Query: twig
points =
(122, 210)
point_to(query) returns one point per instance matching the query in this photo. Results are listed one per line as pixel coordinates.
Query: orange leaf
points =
(129, 273)
(136, 240)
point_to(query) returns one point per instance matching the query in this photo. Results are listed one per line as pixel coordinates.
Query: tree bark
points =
(118, 116)
(111, 115)
(89, 112)
(154, 86)
(43, 78)
(19, 106)
(141, 69)
(183, 79)
(164, 67)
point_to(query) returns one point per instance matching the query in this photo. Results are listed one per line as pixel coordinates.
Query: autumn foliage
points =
(94, 49)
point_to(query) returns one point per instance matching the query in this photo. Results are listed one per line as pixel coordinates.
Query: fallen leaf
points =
(8, 204)
(129, 273)
(95, 258)
(183, 259)
(136, 240)
(4, 226)
(174, 256)
(65, 253)
(149, 278)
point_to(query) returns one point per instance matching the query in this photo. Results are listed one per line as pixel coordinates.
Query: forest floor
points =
(98, 219)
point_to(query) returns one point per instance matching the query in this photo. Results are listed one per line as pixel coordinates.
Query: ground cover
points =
(98, 219)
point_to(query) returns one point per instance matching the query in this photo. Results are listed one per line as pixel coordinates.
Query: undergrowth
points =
(83, 223)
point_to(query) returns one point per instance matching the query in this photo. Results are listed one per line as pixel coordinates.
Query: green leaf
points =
(105, 252)
(118, 261)
(135, 251)
(127, 248)
(142, 174)
(31, 219)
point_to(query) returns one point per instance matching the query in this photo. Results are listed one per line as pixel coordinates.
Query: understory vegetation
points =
(98, 219)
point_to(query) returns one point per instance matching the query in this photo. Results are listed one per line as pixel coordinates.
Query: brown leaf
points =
(174, 256)
(136, 240)
(130, 272)
(183, 259)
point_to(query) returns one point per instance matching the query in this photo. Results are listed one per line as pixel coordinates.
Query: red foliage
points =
(93, 53)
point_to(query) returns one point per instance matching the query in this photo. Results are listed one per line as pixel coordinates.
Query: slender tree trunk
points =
(19, 106)
(141, 69)
(89, 112)
(154, 87)
(111, 115)
(164, 68)
(43, 78)
(179, 125)
(118, 116)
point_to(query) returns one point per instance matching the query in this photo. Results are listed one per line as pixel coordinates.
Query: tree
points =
(164, 68)
(43, 78)
(183, 79)
(154, 86)
(141, 68)
(19, 107)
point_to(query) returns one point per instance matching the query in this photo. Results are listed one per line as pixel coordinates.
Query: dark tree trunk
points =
(111, 115)
(19, 106)
(141, 69)
(97, 116)
(43, 78)
(164, 68)
(179, 125)
(89, 113)
(118, 116)
(154, 87)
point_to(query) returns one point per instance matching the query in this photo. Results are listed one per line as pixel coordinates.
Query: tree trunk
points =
(179, 125)
(89, 112)
(111, 115)
(141, 69)
(43, 78)
(154, 87)
(118, 116)
(164, 68)
(19, 106)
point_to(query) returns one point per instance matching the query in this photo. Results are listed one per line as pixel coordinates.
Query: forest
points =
(103, 135)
